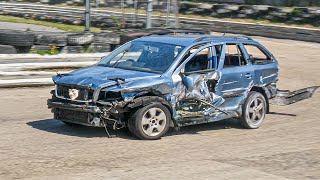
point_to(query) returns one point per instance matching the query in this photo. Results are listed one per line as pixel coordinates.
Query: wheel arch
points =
(262, 91)
(150, 98)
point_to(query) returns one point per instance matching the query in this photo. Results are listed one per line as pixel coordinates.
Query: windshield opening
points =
(143, 56)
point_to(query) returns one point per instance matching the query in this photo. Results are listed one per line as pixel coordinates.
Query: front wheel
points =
(253, 110)
(150, 122)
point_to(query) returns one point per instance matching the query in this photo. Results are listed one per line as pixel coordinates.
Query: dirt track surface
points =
(287, 146)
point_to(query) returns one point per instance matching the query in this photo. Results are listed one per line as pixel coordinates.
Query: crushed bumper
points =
(73, 107)
(88, 115)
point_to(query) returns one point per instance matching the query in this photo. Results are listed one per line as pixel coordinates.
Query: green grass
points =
(64, 27)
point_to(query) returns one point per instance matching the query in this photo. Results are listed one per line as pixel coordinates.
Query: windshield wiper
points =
(124, 52)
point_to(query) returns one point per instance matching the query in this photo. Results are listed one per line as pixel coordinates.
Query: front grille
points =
(82, 94)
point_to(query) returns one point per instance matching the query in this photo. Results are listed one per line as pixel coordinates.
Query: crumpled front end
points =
(107, 103)
(74, 104)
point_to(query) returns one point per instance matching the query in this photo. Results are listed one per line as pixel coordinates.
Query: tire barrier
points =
(51, 39)
(52, 43)
(99, 48)
(40, 48)
(110, 19)
(107, 38)
(80, 39)
(16, 38)
(7, 49)
(72, 49)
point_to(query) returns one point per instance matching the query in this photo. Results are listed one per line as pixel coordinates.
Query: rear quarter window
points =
(259, 55)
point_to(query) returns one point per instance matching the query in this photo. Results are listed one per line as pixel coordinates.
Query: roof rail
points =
(202, 38)
(249, 38)
(173, 31)
(234, 37)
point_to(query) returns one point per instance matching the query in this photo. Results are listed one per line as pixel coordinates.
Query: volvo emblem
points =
(73, 93)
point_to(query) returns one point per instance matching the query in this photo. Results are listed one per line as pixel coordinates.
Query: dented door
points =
(235, 79)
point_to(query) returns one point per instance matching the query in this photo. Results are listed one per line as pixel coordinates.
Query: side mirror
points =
(188, 82)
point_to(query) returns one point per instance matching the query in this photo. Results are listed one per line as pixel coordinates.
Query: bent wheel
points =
(150, 122)
(253, 110)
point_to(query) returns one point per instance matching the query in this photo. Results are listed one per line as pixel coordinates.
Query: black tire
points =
(106, 38)
(95, 47)
(7, 49)
(17, 38)
(253, 110)
(157, 126)
(52, 39)
(80, 39)
(72, 49)
(40, 48)
(125, 38)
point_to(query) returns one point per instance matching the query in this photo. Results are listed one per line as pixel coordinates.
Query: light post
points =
(168, 12)
(175, 4)
(135, 12)
(149, 14)
(87, 16)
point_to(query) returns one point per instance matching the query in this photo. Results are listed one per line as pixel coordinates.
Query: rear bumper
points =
(286, 97)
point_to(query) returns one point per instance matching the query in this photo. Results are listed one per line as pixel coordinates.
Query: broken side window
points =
(188, 53)
(257, 54)
(198, 62)
(234, 56)
(217, 55)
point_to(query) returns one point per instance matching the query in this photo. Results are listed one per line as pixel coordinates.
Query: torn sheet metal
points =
(192, 97)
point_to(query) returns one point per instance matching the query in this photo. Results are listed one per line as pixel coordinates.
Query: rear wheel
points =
(150, 122)
(253, 110)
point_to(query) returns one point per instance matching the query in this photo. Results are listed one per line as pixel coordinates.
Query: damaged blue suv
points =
(156, 82)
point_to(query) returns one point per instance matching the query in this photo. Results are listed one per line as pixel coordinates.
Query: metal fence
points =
(142, 11)
(267, 2)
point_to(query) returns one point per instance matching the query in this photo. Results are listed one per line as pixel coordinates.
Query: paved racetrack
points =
(287, 146)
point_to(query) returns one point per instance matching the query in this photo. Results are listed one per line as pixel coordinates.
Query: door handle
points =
(248, 75)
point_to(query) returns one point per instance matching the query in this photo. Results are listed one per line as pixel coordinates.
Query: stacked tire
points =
(16, 38)
(7, 49)
(57, 42)
(21, 40)
(104, 42)
(51, 39)
(80, 39)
